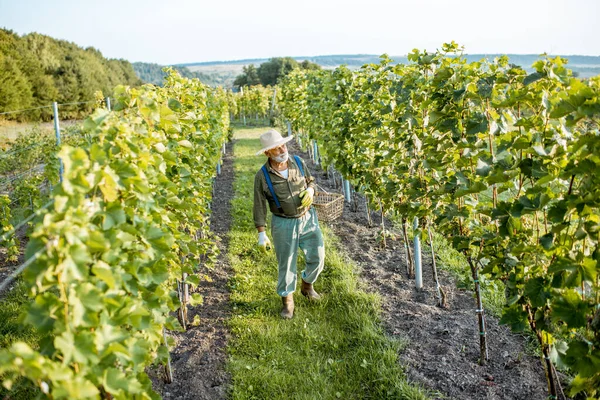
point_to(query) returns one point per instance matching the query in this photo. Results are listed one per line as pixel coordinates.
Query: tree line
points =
(36, 70)
(269, 73)
(154, 73)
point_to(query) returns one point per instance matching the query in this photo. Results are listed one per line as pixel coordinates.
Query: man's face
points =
(277, 151)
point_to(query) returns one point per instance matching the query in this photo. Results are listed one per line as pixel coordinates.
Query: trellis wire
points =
(8, 153)
(13, 178)
(76, 103)
(20, 269)
(26, 220)
(22, 111)
(46, 185)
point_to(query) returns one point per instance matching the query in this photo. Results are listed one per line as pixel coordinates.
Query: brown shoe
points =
(307, 290)
(287, 311)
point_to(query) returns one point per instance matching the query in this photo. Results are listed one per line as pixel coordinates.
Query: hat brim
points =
(274, 145)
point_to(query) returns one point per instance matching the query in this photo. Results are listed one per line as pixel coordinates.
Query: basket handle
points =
(321, 187)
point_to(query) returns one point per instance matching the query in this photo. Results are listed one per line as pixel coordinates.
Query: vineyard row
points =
(504, 164)
(128, 225)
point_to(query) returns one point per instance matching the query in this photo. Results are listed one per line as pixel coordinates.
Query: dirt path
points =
(443, 344)
(198, 358)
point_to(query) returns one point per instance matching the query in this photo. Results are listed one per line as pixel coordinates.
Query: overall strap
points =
(270, 185)
(299, 164)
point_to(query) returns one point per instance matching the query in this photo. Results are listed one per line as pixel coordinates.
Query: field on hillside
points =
(227, 72)
(11, 130)
(583, 66)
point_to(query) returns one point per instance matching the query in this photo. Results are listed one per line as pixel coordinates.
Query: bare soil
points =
(443, 343)
(198, 358)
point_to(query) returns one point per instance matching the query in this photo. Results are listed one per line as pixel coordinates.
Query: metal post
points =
(224, 149)
(242, 108)
(316, 152)
(418, 269)
(219, 168)
(57, 132)
(289, 126)
(347, 190)
(108, 103)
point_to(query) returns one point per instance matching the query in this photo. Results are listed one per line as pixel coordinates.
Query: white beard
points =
(281, 158)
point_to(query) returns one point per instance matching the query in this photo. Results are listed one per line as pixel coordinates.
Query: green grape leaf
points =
(570, 309)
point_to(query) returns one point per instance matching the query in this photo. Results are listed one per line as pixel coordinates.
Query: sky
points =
(187, 31)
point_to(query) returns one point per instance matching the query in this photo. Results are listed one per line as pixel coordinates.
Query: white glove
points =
(264, 244)
(307, 197)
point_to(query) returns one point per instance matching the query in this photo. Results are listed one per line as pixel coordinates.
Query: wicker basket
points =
(329, 206)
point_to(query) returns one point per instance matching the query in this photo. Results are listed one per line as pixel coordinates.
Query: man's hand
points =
(307, 196)
(264, 244)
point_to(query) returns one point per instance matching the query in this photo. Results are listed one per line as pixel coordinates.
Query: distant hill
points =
(36, 70)
(153, 73)
(584, 66)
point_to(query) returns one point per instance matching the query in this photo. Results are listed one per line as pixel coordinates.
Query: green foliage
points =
(15, 91)
(123, 228)
(12, 329)
(450, 259)
(30, 167)
(9, 244)
(36, 70)
(32, 148)
(501, 159)
(223, 73)
(249, 77)
(271, 72)
(253, 101)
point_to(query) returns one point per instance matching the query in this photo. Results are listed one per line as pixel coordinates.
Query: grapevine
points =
(122, 231)
(500, 159)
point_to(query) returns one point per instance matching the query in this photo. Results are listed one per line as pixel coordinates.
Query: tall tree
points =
(309, 65)
(15, 90)
(36, 70)
(249, 77)
(270, 72)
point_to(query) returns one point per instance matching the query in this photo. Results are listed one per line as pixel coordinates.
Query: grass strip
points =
(13, 329)
(332, 349)
(492, 291)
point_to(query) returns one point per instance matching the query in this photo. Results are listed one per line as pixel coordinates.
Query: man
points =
(286, 185)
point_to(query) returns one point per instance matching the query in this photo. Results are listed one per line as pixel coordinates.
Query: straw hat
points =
(272, 139)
